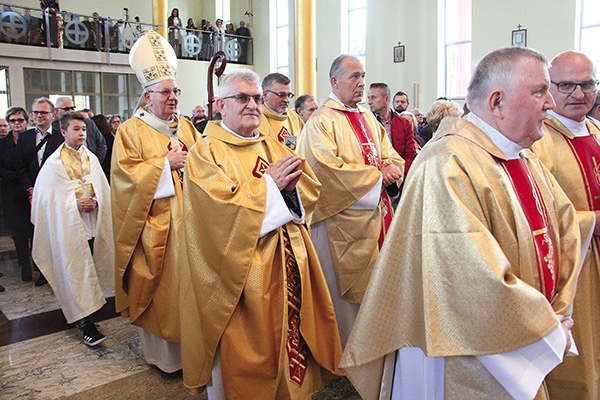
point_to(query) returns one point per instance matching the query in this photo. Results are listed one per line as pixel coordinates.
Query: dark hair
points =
(66, 119)
(401, 93)
(301, 100)
(275, 77)
(102, 124)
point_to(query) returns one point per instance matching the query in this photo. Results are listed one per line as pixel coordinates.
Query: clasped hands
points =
(176, 158)
(390, 173)
(87, 204)
(286, 173)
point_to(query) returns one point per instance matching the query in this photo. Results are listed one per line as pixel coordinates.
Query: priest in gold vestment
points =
(257, 318)
(473, 289)
(570, 149)
(349, 151)
(282, 121)
(146, 177)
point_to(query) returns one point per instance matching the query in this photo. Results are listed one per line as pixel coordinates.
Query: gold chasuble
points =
(574, 162)
(481, 295)
(243, 294)
(282, 126)
(146, 230)
(332, 149)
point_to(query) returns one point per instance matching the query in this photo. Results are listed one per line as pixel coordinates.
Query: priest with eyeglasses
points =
(257, 317)
(149, 153)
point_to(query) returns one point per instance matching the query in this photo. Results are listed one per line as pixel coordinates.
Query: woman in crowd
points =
(16, 206)
(175, 24)
(219, 36)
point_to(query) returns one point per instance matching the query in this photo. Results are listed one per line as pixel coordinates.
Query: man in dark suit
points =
(33, 149)
(94, 141)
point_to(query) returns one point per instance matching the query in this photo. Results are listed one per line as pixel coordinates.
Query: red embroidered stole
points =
(587, 153)
(535, 211)
(371, 156)
(295, 346)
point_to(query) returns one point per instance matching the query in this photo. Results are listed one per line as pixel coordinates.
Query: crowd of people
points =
(119, 34)
(210, 39)
(264, 252)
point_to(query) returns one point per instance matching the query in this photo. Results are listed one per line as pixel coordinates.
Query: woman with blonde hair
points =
(441, 109)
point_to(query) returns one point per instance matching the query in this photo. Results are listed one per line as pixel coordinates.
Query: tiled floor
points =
(42, 357)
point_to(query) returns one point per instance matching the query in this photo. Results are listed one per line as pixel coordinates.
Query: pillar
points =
(305, 56)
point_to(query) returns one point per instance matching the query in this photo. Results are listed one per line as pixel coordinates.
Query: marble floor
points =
(42, 357)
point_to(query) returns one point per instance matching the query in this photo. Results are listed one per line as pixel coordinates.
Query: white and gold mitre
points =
(153, 59)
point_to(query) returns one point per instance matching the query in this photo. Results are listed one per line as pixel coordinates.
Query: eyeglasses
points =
(36, 112)
(66, 108)
(282, 95)
(166, 92)
(244, 98)
(16, 120)
(570, 87)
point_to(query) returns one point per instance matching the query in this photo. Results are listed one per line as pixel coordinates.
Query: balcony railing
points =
(68, 30)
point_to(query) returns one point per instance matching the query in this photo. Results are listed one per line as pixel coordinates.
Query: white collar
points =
(334, 97)
(254, 136)
(577, 128)
(510, 149)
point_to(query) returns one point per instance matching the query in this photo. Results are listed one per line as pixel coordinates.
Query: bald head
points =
(573, 85)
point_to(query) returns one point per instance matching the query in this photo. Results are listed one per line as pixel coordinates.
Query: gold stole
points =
(77, 165)
(295, 346)
(534, 208)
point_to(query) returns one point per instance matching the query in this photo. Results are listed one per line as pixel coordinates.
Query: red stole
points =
(371, 156)
(534, 208)
(587, 153)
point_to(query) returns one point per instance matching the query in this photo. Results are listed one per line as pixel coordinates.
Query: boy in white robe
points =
(72, 244)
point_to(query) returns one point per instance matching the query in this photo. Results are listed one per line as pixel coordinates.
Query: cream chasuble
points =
(147, 228)
(244, 315)
(578, 377)
(418, 296)
(60, 247)
(333, 151)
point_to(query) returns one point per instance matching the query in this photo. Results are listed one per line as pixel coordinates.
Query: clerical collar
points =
(255, 133)
(510, 149)
(349, 108)
(596, 121)
(577, 128)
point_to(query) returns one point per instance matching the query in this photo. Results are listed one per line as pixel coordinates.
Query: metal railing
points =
(68, 30)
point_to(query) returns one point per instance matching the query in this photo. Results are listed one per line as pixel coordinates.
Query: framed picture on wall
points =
(519, 38)
(399, 53)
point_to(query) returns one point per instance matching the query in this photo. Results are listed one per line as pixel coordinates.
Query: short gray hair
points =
(239, 75)
(43, 100)
(498, 68)
(336, 67)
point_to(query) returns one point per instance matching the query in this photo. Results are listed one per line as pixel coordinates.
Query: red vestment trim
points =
(295, 346)
(534, 208)
(587, 153)
(371, 156)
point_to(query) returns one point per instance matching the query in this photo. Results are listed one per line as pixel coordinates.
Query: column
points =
(160, 16)
(305, 66)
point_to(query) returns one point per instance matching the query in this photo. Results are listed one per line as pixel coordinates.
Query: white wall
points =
(551, 27)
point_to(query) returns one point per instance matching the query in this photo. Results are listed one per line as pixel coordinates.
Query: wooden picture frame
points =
(519, 38)
(399, 53)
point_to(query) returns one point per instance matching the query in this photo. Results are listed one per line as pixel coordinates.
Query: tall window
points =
(354, 34)
(282, 37)
(457, 49)
(590, 30)
(4, 95)
(103, 93)
(223, 10)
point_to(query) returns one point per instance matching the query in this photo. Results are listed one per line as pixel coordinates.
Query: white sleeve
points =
(370, 200)
(166, 187)
(522, 371)
(277, 212)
